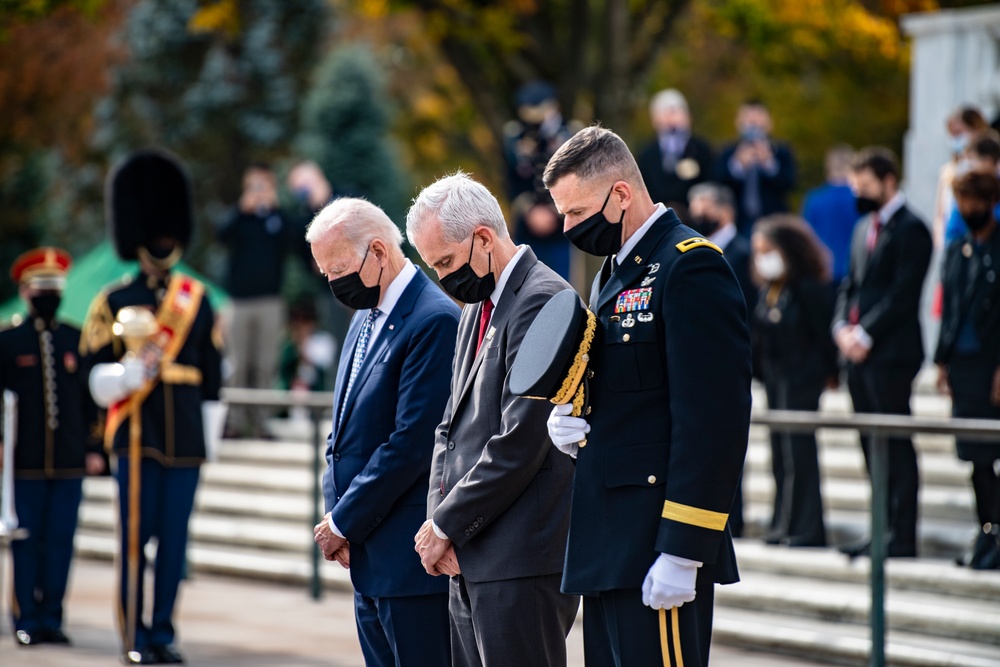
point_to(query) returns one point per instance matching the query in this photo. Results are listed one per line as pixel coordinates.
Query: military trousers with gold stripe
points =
(620, 631)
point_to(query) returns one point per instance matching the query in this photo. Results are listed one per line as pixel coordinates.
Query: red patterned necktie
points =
(484, 322)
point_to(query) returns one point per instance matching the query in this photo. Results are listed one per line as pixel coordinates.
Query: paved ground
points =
(227, 622)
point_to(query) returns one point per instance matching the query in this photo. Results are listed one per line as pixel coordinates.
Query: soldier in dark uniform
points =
(662, 446)
(968, 351)
(52, 453)
(157, 392)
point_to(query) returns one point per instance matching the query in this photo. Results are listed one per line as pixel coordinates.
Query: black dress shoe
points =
(25, 638)
(864, 548)
(803, 541)
(853, 550)
(144, 656)
(168, 654)
(56, 636)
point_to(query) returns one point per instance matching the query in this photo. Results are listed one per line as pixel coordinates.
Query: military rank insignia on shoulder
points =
(697, 242)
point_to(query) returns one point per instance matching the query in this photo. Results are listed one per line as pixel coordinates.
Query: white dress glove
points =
(110, 383)
(567, 432)
(670, 582)
(213, 415)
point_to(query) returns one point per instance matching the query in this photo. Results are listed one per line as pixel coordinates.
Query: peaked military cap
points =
(551, 363)
(44, 268)
(148, 196)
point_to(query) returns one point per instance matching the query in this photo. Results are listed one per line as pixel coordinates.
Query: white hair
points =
(359, 220)
(671, 98)
(460, 204)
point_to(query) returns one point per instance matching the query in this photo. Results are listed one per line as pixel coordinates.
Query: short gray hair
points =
(359, 220)
(671, 98)
(719, 194)
(460, 204)
(594, 153)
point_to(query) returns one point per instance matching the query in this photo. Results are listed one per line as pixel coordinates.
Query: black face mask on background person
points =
(464, 285)
(597, 235)
(866, 205)
(351, 291)
(45, 305)
(704, 225)
(978, 220)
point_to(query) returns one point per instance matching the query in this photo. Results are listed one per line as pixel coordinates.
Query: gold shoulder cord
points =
(97, 327)
(571, 383)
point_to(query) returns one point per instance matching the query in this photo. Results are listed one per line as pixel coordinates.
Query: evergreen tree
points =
(345, 129)
(221, 90)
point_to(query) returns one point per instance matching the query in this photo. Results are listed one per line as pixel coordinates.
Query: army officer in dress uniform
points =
(660, 451)
(968, 351)
(38, 362)
(154, 394)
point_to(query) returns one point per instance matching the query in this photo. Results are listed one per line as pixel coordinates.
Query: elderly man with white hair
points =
(499, 493)
(392, 384)
(675, 160)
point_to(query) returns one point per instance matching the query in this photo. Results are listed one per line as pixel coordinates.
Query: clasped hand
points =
(670, 582)
(436, 555)
(334, 546)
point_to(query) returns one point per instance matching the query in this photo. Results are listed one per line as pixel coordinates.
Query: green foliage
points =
(218, 97)
(345, 126)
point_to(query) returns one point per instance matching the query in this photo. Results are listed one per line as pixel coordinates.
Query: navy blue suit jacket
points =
(380, 456)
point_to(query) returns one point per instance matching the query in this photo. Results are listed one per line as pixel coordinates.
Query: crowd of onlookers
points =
(833, 294)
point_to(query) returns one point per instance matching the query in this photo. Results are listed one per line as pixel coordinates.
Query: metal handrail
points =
(319, 404)
(878, 426)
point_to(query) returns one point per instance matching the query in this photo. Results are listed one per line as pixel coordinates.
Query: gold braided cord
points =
(579, 367)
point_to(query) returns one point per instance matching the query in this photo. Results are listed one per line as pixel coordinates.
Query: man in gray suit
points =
(499, 494)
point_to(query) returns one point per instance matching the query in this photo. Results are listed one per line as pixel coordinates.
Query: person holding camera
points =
(760, 170)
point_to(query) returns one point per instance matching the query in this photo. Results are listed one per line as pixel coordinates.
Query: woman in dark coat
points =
(796, 359)
(968, 351)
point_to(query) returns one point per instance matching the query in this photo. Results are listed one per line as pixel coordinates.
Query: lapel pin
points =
(391, 327)
(489, 334)
(637, 259)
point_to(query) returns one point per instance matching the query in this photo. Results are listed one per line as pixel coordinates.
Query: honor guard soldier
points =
(660, 443)
(52, 451)
(150, 347)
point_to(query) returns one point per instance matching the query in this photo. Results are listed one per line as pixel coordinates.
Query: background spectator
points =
(968, 351)
(796, 359)
(712, 213)
(675, 160)
(257, 238)
(877, 327)
(760, 171)
(830, 210)
(982, 154)
(962, 124)
(529, 142)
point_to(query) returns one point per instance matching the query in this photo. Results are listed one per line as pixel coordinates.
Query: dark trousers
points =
(971, 379)
(166, 501)
(521, 622)
(620, 631)
(886, 390)
(798, 504)
(404, 631)
(47, 509)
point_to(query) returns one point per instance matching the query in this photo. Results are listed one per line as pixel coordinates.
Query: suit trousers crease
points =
(521, 622)
(407, 631)
(620, 631)
(887, 390)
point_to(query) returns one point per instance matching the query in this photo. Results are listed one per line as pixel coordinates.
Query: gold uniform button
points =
(626, 338)
(582, 444)
(590, 409)
(651, 479)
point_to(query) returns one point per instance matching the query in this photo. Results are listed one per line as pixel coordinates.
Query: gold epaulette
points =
(697, 242)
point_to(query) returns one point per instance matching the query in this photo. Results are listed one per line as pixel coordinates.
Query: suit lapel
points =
(390, 328)
(344, 370)
(633, 266)
(501, 313)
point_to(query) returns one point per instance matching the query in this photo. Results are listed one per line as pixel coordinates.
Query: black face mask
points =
(866, 205)
(45, 305)
(353, 293)
(597, 235)
(704, 225)
(978, 220)
(465, 285)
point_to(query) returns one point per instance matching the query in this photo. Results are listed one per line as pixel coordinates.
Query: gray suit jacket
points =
(498, 488)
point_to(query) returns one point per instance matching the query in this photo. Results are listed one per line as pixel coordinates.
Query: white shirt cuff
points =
(838, 325)
(863, 337)
(438, 531)
(333, 527)
(684, 562)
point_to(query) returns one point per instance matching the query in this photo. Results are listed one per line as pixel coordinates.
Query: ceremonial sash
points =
(175, 316)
